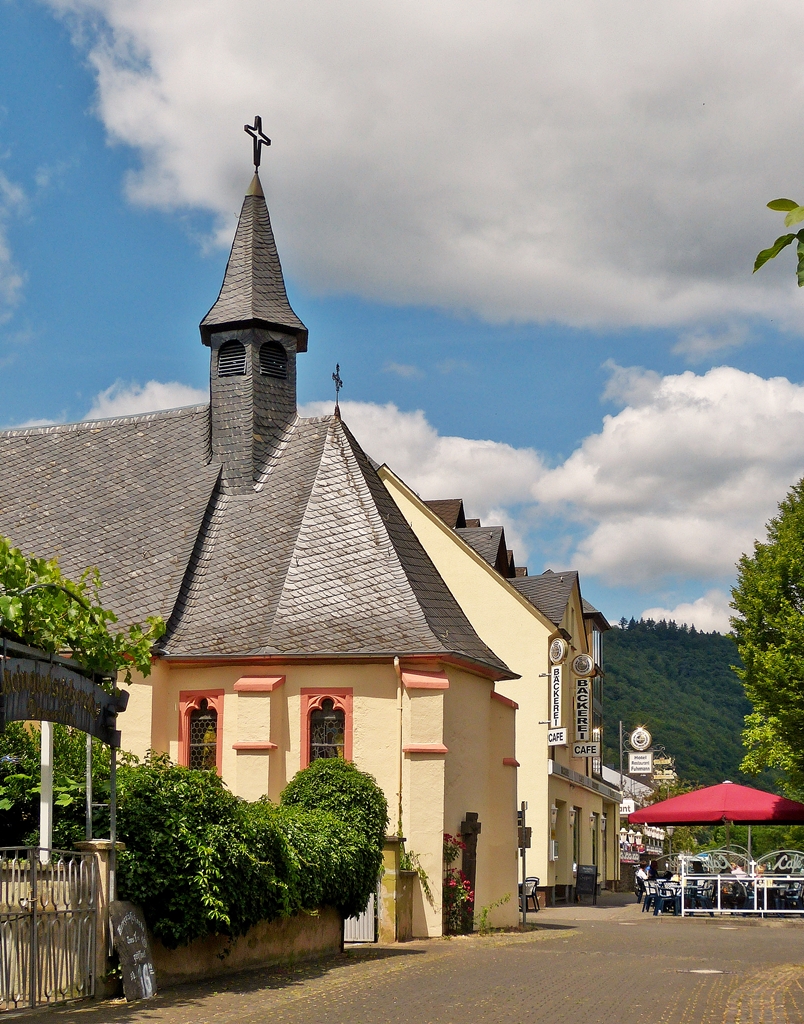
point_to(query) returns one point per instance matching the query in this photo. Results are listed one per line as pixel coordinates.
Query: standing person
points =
(640, 877)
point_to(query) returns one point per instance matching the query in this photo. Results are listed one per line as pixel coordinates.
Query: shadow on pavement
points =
(239, 983)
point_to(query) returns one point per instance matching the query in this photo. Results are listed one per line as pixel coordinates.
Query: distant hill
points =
(678, 682)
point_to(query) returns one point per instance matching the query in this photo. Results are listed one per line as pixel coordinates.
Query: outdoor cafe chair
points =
(649, 899)
(531, 894)
(667, 898)
(639, 889)
(793, 898)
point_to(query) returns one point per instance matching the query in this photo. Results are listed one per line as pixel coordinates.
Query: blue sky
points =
(451, 289)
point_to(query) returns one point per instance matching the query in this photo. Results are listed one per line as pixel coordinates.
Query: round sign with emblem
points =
(558, 650)
(583, 665)
(640, 738)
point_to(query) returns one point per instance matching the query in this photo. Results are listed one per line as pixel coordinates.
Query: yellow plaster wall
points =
(519, 634)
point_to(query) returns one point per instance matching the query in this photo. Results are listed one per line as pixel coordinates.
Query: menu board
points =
(130, 936)
(586, 881)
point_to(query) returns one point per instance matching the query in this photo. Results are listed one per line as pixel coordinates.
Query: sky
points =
(525, 231)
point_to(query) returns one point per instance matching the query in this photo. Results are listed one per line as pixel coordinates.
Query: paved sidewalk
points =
(579, 965)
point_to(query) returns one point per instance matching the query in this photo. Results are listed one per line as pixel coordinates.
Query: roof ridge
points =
(56, 428)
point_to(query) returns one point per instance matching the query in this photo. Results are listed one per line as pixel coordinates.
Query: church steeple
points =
(253, 291)
(253, 335)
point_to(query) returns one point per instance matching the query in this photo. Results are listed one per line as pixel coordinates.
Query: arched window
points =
(203, 736)
(273, 360)
(232, 359)
(327, 729)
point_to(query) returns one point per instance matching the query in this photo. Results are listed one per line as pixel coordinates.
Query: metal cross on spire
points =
(336, 376)
(259, 138)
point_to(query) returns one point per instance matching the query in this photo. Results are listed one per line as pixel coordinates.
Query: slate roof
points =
(549, 592)
(449, 511)
(317, 561)
(591, 612)
(489, 543)
(253, 289)
(127, 495)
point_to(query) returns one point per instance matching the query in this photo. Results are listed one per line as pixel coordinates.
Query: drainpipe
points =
(398, 670)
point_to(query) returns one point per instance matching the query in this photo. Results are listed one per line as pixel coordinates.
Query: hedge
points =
(199, 860)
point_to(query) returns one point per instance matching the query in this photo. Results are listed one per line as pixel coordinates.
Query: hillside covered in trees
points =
(678, 682)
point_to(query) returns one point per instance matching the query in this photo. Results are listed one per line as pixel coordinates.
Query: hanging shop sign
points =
(583, 665)
(586, 750)
(640, 738)
(556, 737)
(37, 688)
(556, 673)
(582, 700)
(640, 762)
(559, 648)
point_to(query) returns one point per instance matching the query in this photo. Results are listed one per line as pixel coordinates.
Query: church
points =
(305, 617)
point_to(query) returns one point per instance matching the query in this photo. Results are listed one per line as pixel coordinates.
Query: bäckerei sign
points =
(35, 688)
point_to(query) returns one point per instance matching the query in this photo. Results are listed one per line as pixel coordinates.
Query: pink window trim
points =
(258, 684)
(311, 700)
(426, 748)
(504, 700)
(189, 701)
(425, 680)
(510, 762)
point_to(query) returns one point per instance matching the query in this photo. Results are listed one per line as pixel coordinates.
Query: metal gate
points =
(48, 912)
(362, 928)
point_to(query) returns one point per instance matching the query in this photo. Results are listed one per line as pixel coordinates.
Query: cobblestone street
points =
(581, 964)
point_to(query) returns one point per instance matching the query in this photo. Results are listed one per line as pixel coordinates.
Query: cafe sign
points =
(556, 673)
(640, 762)
(582, 696)
(40, 689)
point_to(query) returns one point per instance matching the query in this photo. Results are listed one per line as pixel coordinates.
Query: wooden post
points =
(46, 792)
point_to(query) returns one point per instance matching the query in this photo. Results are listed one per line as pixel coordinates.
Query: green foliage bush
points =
(200, 860)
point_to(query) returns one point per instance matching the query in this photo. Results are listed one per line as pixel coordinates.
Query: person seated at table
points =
(667, 876)
(653, 871)
(737, 870)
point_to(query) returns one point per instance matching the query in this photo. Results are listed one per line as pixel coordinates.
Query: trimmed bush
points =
(199, 860)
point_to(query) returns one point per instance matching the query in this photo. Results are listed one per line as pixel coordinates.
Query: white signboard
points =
(582, 696)
(628, 806)
(556, 672)
(640, 762)
(586, 750)
(556, 737)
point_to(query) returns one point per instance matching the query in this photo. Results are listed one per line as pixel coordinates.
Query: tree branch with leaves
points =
(795, 214)
(43, 608)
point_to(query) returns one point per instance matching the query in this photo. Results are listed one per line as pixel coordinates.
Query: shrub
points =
(199, 860)
(330, 784)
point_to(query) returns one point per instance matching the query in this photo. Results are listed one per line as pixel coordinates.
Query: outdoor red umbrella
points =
(714, 805)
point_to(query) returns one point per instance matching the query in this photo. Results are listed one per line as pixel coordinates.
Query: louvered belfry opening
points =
(273, 360)
(232, 359)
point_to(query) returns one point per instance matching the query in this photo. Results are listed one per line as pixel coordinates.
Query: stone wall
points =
(302, 937)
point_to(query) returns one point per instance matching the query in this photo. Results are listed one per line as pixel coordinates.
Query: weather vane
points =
(336, 376)
(259, 138)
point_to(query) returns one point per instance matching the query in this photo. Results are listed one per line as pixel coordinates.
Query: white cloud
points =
(603, 164)
(697, 345)
(12, 201)
(673, 487)
(405, 370)
(130, 399)
(488, 475)
(707, 613)
(681, 482)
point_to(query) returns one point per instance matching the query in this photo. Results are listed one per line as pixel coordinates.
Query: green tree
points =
(45, 609)
(794, 215)
(769, 631)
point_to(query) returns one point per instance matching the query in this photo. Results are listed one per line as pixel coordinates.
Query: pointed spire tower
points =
(253, 335)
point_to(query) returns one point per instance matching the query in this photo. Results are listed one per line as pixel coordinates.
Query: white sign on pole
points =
(556, 737)
(556, 672)
(628, 806)
(640, 762)
(582, 696)
(586, 750)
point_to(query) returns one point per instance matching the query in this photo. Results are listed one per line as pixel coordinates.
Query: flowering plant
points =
(458, 899)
